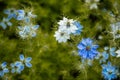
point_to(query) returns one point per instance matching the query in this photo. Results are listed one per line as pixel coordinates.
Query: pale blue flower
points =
(109, 72)
(5, 22)
(26, 61)
(3, 69)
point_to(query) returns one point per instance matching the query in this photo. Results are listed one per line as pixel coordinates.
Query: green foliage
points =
(52, 60)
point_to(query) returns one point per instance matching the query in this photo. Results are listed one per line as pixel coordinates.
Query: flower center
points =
(110, 72)
(88, 48)
(62, 34)
(68, 24)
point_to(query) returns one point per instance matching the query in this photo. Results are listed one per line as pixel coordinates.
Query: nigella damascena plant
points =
(109, 72)
(66, 27)
(27, 31)
(86, 49)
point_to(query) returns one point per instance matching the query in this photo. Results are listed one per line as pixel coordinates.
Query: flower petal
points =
(28, 64)
(21, 57)
(28, 59)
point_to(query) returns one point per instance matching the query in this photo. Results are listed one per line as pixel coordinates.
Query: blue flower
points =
(79, 26)
(3, 69)
(25, 61)
(17, 67)
(86, 49)
(105, 57)
(5, 22)
(11, 13)
(109, 72)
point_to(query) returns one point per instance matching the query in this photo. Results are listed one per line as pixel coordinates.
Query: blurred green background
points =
(52, 60)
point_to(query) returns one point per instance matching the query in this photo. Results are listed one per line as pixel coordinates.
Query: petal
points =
(21, 57)
(28, 64)
(18, 63)
(4, 64)
(21, 12)
(20, 17)
(118, 52)
(3, 25)
(33, 34)
(10, 16)
(112, 54)
(112, 49)
(35, 27)
(5, 70)
(21, 67)
(28, 59)
(81, 46)
(6, 11)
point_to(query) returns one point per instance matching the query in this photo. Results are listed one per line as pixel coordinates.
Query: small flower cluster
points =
(115, 30)
(104, 56)
(92, 3)
(27, 30)
(15, 67)
(66, 28)
(109, 72)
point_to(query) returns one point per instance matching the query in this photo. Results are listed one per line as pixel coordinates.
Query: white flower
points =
(93, 6)
(115, 30)
(68, 25)
(118, 53)
(61, 36)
